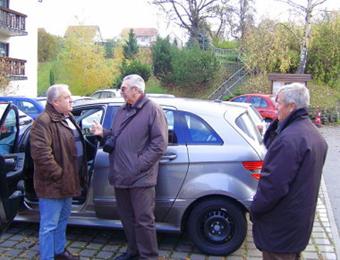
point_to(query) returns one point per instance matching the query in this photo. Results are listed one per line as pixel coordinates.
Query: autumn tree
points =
(48, 46)
(82, 65)
(324, 58)
(3, 76)
(307, 12)
(271, 47)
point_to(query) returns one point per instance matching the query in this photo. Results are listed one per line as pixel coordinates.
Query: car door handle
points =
(168, 157)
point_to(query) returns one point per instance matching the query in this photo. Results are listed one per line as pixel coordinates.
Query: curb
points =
(331, 219)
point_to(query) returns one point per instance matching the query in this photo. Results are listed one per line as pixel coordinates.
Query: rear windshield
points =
(247, 125)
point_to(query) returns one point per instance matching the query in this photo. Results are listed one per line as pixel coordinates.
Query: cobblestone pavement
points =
(20, 241)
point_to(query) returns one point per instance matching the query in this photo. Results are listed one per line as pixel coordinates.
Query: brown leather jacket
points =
(56, 168)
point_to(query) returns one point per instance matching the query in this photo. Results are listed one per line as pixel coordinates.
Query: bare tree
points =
(193, 15)
(307, 12)
(242, 18)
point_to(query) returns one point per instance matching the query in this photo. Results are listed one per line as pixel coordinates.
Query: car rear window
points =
(247, 125)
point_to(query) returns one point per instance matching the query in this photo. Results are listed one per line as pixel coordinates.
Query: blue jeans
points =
(54, 214)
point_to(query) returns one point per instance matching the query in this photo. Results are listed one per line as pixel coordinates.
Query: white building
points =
(18, 45)
(145, 36)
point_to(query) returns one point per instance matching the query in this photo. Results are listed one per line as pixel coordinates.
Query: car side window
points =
(27, 107)
(8, 131)
(172, 136)
(96, 95)
(85, 118)
(240, 99)
(258, 102)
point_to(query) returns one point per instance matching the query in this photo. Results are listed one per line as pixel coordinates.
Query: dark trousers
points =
(277, 256)
(136, 209)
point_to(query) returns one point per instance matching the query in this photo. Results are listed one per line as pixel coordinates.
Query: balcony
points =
(12, 23)
(14, 68)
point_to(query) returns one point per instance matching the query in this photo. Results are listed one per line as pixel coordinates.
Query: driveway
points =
(332, 169)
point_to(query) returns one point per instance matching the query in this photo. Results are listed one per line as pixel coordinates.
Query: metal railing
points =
(227, 86)
(13, 67)
(12, 21)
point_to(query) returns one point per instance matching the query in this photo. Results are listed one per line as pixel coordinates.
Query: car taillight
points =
(254, 167)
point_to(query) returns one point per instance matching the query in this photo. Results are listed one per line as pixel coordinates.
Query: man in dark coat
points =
(141, 137)
(57, 149)
(284, 205)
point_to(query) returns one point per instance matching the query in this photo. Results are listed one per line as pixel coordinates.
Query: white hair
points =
(134, 80)
(295, 93)
(54, 92)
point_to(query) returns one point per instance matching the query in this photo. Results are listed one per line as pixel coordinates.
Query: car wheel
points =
(217, 226)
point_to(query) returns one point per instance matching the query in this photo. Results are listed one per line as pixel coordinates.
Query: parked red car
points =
(264, 103)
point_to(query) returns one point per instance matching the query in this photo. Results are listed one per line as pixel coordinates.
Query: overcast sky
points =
(113, 15)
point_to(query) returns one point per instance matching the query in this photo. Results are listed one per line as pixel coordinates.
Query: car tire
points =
(217, 226)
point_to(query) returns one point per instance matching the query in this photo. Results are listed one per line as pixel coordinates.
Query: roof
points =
(286, 77)
(139, 32)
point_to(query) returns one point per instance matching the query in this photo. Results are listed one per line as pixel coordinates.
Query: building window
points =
(4, 48)
(4, 3)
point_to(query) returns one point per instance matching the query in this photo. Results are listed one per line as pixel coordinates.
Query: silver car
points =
(206, 181)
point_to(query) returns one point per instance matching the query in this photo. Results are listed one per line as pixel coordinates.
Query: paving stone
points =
(319, 235)
(105, 255)
(24, 245)
(197, 257)
(94, 246)
(310, 255)
(329, 256)
(164, 253)
(325, 248)
(235, 257)
(8, 243)
(253, 252)
(88, 253)
(322, 241)
(179, 255)
(78, 244)
(30, 254)
(13, 252)
(112, 248)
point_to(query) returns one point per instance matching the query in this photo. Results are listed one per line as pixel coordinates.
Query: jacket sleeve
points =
(158, 131)
(41, 151)
(279, 170)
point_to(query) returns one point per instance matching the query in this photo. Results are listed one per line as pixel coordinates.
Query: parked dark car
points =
(265, 104)
(29, 106)
(206, 182)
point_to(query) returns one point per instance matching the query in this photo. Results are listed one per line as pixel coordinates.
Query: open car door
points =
(11, 165)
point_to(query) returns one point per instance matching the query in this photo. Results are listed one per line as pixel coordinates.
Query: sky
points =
(113, 15)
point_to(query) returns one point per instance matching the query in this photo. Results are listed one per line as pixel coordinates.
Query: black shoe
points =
(66, 255)
(127, 256)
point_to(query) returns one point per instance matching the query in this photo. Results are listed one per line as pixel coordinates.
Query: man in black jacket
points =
(284, 205)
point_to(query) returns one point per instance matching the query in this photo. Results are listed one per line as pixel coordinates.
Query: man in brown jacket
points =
(57, 149)
(141, 137)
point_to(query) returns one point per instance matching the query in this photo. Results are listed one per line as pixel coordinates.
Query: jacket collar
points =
(138, 104)
(294, 116)
(53, 113)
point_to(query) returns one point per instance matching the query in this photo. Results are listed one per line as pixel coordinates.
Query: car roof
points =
(255, 94)
(200, 106)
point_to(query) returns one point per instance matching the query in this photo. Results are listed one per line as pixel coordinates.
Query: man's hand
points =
(96, 129)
